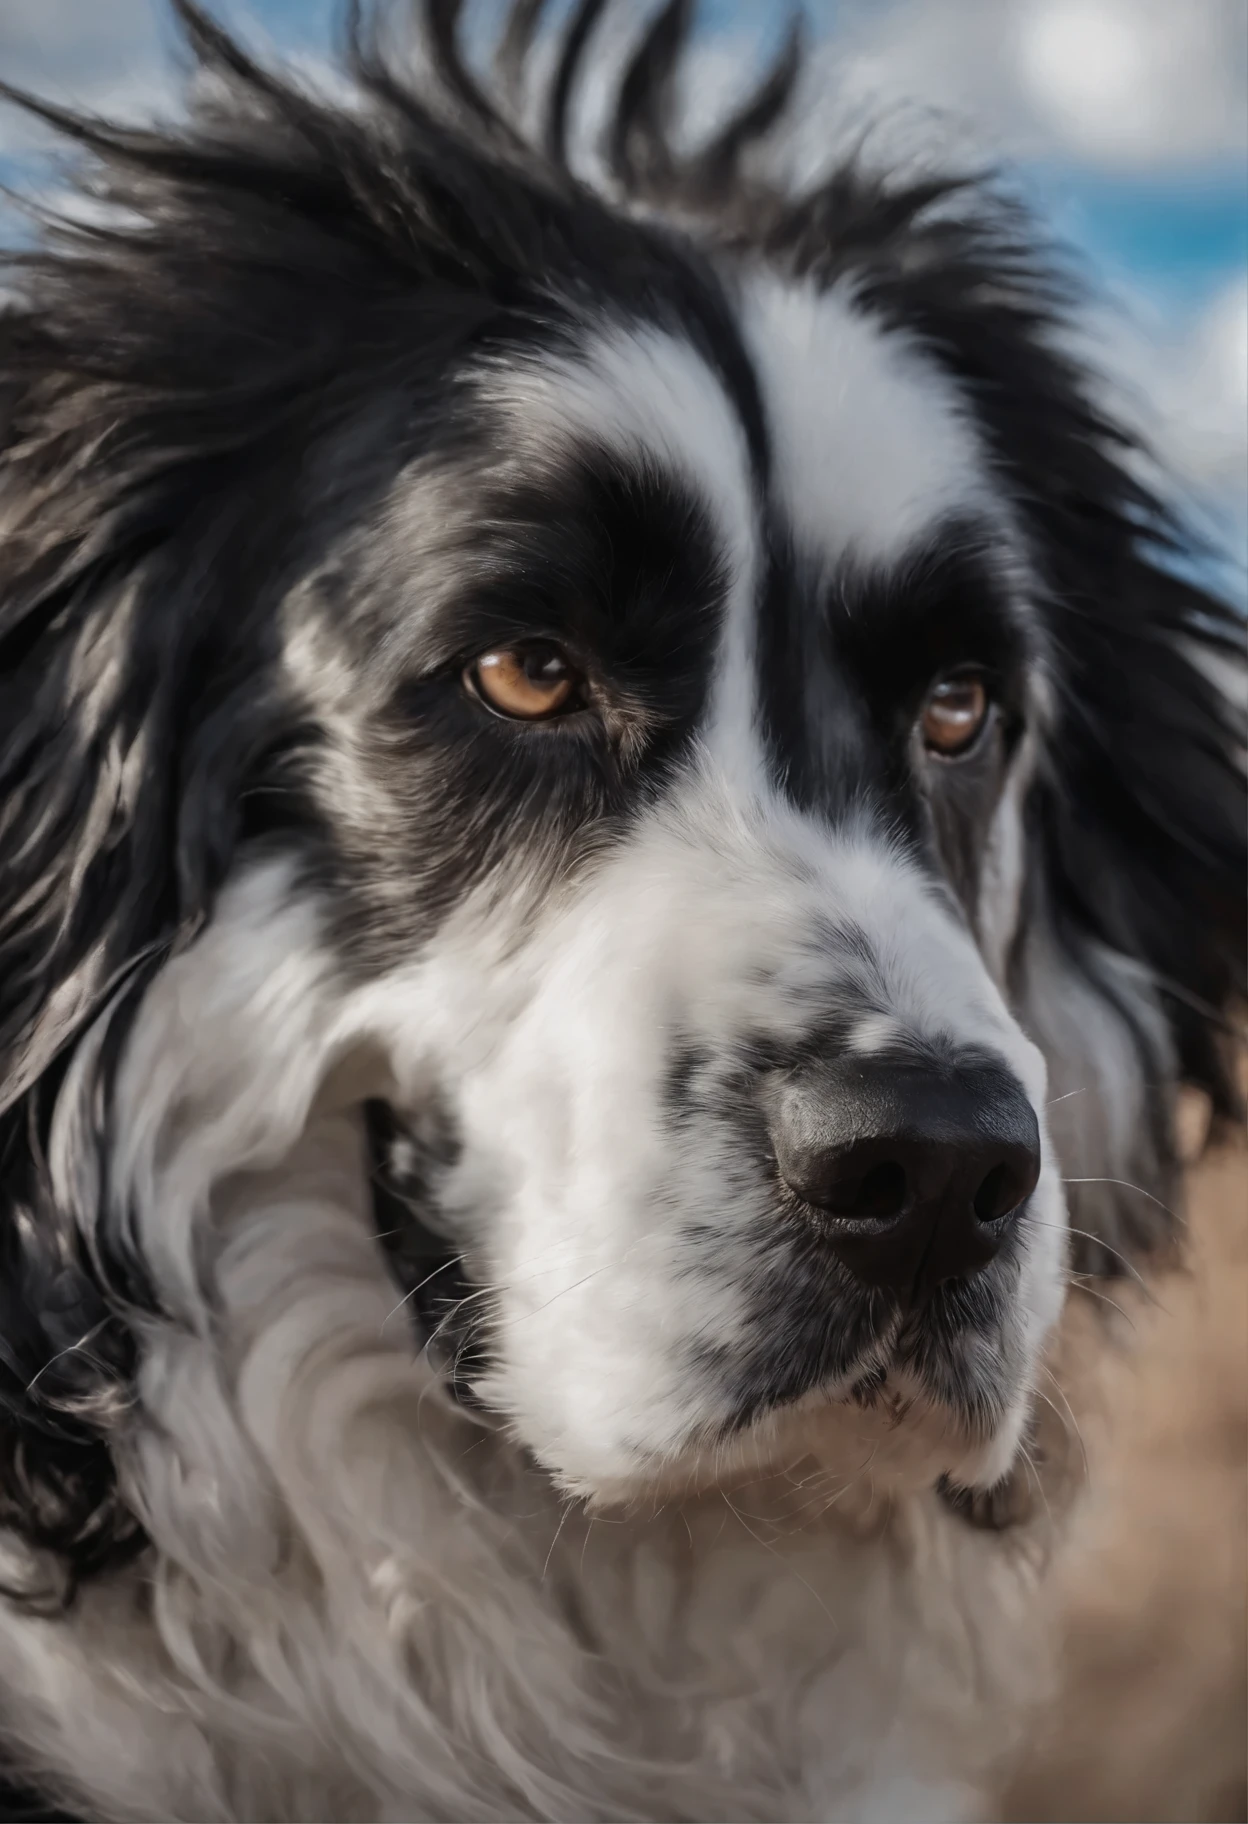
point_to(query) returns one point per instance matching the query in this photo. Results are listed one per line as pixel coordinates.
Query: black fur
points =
(866, 648)
(25, 1805)
(175, 387)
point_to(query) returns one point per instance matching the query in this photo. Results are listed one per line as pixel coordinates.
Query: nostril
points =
(879, 1193)
(1000, 1191)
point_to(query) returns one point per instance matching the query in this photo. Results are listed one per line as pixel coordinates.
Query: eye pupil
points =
(544, 665)
(527, 683)
(954, 713)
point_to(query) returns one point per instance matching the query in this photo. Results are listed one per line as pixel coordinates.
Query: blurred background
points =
(1125, 122)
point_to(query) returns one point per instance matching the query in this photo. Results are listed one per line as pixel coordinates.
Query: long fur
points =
(310, 1350)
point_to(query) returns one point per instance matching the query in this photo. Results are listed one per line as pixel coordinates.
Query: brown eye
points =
(527, 683)
(953, 714)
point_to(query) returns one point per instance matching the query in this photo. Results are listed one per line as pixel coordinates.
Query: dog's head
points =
(665, 702)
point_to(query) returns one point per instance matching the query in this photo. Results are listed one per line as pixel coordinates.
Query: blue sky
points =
(1126, 121)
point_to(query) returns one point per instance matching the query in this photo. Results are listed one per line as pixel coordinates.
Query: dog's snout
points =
(911, 1174)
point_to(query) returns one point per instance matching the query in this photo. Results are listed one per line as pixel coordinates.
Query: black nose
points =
(911, 1174)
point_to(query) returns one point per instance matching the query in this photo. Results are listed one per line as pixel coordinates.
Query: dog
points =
(618, 822)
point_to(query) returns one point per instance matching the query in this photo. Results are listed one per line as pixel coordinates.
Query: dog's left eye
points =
(527, 683)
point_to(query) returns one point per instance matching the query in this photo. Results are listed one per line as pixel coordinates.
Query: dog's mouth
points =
(938, 1356)
(936, 1363)
(444, 1307)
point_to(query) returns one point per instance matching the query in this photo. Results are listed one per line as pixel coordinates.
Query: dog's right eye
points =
(528, 683)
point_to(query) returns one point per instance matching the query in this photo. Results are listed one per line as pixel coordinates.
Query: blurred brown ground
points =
(1149, 1722)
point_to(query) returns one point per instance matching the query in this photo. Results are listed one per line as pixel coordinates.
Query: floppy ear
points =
(136, 700)
(136, 729)
(170, 374)
(103, 866)
(175, 376)
(84, 887)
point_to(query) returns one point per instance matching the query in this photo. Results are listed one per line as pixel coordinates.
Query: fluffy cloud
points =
(1122, 84)
(1138, 82)
(101, 54)
(1183, 379)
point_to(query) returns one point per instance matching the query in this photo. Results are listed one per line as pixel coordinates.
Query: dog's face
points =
(613, 706)
(674, 784)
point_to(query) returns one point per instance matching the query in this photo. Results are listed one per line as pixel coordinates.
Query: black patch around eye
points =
(900, 628)
(618, 564)
(845, 662)
(619, 567)
(823, 748)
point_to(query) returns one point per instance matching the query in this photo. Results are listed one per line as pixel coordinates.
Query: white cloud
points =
(1207, 401)
(106, 55)
(1183, 380)
(1130, 82)
(1122, 83)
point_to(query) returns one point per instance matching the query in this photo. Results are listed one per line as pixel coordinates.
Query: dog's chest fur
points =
(362, 1604)
(829, 1675)
(372, 1608)
(869, 1664)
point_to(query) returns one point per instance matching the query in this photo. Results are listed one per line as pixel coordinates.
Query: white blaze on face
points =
(872, 447)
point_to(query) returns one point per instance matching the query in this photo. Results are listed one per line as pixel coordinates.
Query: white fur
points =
(641, 391)
(873, 446)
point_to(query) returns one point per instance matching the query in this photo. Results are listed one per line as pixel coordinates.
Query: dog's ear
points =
(177, 366)
(174, 364)
(1146, 821)
(85, 888)
(1131, 964)
(132, 713)
(141, 450)
(90, 897)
